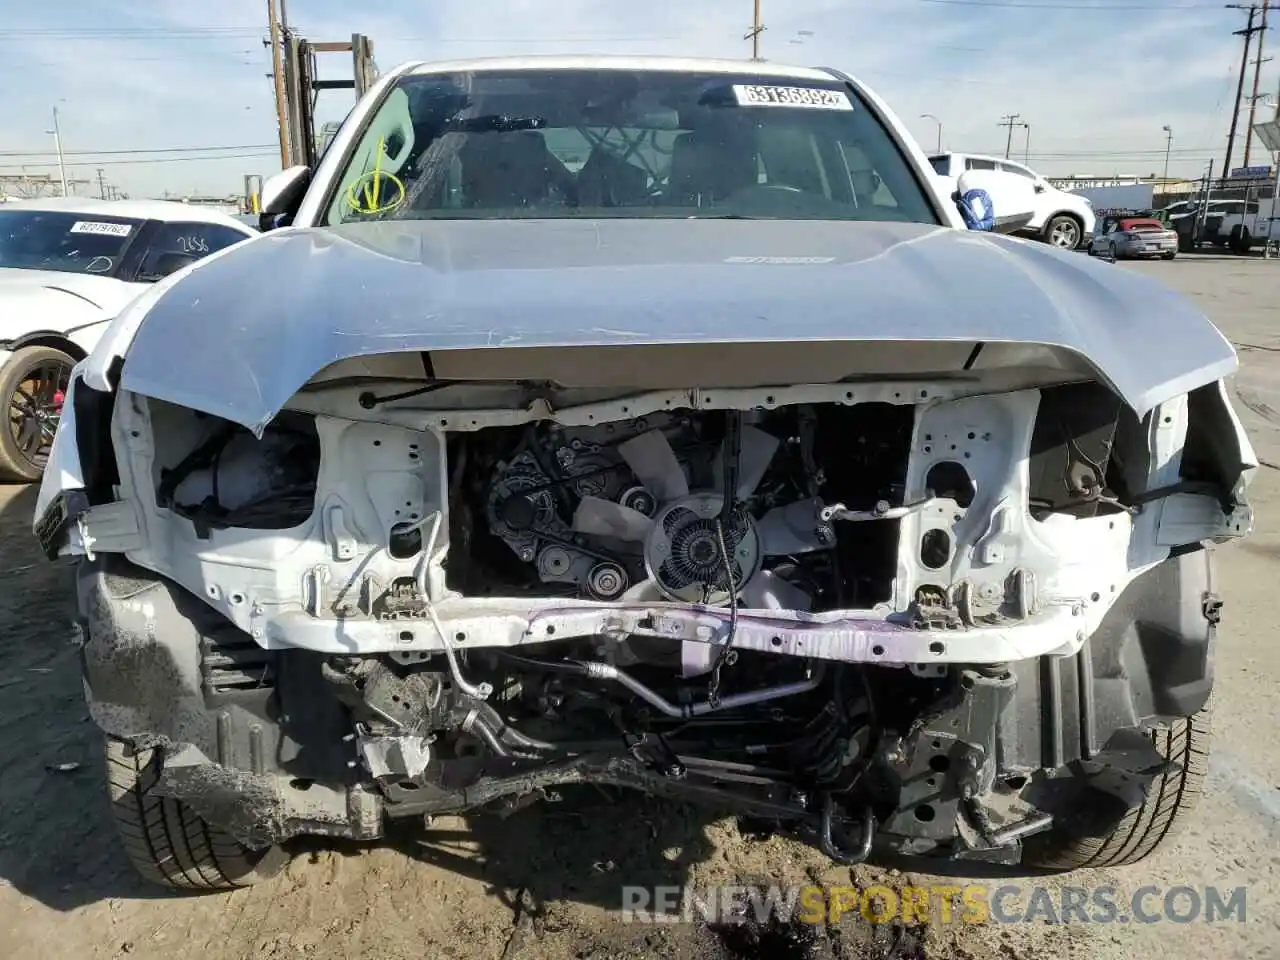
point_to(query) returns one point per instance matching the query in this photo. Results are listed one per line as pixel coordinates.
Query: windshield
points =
(622, 143)
(65, 242)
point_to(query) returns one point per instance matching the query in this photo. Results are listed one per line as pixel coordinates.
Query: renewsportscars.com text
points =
(936, 903)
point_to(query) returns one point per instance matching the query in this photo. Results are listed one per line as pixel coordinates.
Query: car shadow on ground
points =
(583, 848)
(57, 842)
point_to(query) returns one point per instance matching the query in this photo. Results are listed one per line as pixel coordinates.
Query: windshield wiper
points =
(494, 123)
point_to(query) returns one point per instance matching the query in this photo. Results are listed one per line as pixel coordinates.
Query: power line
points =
(1087, 7)
(437, 40)
(167, 35)
(118, 33)
(110, 153)
(138, 163)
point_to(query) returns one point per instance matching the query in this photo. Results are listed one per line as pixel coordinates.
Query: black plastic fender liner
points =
(162, 667)
(262, 810)
(141, 657)
(1149, 661)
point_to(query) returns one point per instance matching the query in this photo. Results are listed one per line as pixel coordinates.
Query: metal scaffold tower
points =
(295, 71)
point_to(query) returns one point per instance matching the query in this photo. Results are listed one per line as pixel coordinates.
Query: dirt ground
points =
(546, 883)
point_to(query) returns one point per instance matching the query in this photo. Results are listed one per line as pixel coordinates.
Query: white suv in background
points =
(1063, 219)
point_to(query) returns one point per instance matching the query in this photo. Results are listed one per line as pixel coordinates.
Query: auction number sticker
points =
(807, 98)
(101, 229)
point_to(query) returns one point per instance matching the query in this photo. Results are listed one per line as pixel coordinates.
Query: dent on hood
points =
(238, 337)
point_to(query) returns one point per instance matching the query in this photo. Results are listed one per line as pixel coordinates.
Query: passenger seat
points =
(606, 180)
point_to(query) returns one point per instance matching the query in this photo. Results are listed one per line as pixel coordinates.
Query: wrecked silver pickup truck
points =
(657, 424)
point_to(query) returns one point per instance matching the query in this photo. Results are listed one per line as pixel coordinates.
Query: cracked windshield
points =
(581, 143)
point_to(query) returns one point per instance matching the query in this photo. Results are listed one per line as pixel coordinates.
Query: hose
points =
(604, 671)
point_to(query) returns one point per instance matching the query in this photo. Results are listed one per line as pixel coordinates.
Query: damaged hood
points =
(240, 333)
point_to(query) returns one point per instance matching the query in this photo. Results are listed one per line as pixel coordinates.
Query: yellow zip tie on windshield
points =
(362, 195)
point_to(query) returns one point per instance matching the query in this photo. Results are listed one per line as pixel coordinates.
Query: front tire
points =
(33, 383)
(1240, 242)
(168, 843)
(1172, 797)
(1064, 232)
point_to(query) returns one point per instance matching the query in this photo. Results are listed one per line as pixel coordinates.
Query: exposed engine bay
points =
(636, 510)
(796, 611)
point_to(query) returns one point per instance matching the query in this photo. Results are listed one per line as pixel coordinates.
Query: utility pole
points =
(102, 184)
(277, 73)
(1009, 120)
(1168, 144)
(1257, 75)
(1026, 152)
(57, 145)
(1247, 33)
(753, 34)
(930, 116)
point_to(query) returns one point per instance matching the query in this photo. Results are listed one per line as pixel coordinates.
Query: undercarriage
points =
(963, 763)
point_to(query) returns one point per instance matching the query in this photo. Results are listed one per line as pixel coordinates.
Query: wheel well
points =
(1066, 213)
(55, 340)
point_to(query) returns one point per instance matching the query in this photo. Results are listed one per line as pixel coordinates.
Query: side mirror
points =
(167, 263)
(281, 196)
(994, 201)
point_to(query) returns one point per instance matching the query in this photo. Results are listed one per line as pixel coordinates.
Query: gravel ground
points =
(546, 883)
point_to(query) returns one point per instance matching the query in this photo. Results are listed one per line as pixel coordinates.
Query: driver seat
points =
(506, 169)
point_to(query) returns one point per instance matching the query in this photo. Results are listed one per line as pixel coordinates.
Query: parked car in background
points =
(1179, 209)
(1234, 223)
(1063, 219)
(67, 267)
(1133, 237)
(1248, 224)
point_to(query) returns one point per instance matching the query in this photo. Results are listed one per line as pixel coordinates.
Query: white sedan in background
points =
(67, 267)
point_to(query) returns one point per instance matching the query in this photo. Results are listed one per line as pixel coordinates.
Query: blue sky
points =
(1095, 79)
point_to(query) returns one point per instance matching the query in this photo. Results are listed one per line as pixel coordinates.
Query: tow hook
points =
(1211, 607)
(845, 858)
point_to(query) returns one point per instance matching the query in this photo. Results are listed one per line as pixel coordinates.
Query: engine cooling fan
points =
(683, 554)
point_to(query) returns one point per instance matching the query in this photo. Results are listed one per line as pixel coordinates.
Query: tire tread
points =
(166, 841)
(1144, 829)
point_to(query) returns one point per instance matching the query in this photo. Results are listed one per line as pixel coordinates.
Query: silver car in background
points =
(1123, 237)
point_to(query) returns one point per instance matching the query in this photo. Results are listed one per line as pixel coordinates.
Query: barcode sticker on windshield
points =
(806, 98)
(102, 229)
